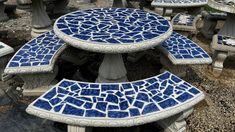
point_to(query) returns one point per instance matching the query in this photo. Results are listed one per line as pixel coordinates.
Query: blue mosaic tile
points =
(181, 48)
(38, 52)
(113, 25)
(114, 103)
(223, 40)
(179, 19)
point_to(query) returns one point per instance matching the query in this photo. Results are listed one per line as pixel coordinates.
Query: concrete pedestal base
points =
(112, 69)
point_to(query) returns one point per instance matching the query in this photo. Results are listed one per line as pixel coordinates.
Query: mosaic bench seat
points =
(223, 46)
(5, 51)
(181, 51)
(34, 62)
(81, 104)
(185, 22)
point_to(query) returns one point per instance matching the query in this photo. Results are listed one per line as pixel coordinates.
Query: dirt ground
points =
(214, 114)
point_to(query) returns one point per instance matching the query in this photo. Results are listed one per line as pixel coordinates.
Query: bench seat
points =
(116, 104)
(5, 49)
(38, 55)
(35, 61)
(223, 46)
(5, 52)
(181, 50)
(185, 22)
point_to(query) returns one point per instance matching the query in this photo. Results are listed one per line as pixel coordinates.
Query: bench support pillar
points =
(72, 128)
(179, 70)
(176, 123)
(37, 84)
(112, 69)
(219, 58)
(41, 22)
(3, 15)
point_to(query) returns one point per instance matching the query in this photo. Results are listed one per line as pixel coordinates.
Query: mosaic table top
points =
(113, 30)
(37, 55)
(223, 5)
(178, 3)
(5, 49)
(181, 50)
(116, 104)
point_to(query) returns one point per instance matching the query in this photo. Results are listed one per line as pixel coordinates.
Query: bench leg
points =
(3, 15)
(41, 22)
(179, 70)
(36, 84)
(219, 58)
(176, 123)
(72, 128)
(3, 62)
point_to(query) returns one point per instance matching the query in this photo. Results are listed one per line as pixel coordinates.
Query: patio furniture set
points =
(112, 101)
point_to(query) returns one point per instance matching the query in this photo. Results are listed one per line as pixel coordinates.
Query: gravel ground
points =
(215, 113)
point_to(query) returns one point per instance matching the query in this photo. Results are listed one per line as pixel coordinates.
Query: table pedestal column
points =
(112, 69)
(229, 27)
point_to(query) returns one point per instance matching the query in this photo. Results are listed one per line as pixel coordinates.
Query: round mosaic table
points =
(112, 31)
(226, 6)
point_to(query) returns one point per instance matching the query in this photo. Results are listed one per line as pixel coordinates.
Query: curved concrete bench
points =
(222, 46)
(182, 51)
(83, 104)
(34, 62)
(5, 50)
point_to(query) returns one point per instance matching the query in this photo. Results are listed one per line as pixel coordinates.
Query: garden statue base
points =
(41, 22)
(3, 15)
(23, 6)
